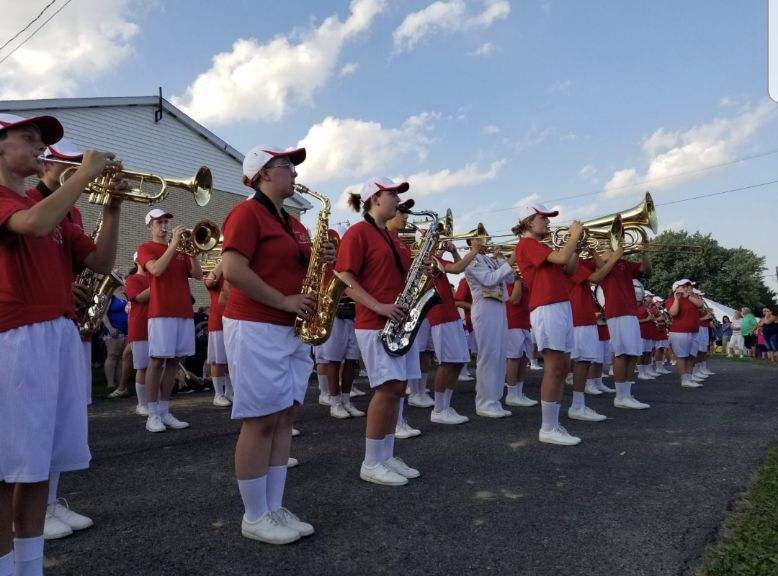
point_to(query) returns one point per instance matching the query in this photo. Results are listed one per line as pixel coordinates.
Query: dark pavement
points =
(643, 494)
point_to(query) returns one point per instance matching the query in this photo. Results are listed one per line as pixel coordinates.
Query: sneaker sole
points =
(258, 538)
(558, 443)
(631, 407)
(373, 480)
(584, 419)
(491, 415)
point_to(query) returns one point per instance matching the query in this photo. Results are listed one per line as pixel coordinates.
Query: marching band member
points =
(136, 288)
(519, 343)
(647, 336)
(595, 385)
(703, 340)
(448, 336)
(683, 307)
(620, 306)
(586, 338)
(543, 269)
(265, 258)
(373, 263)
(171, 324)
(217, 354)
(660, 357)
(487, 277)
(39, 252)
(464, 301)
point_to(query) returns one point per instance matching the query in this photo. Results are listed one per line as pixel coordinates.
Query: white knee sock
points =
(621, 390)
(641, 369)
(520, 389)
(163, 407)
(400, 406)
(254, 495)
(28, 556)
(512, 391)
(388, 446)
(579, 401)
(228, 386)
(324, 384)
(374, 451)
(152, 407)
(7, 564)
(140, 392)
(276, 480)
(440, 402)
(423, 383)
(53, 487)
(218, 385)
(628, 385)
(449, 393)
(549, 412)
(413, 386)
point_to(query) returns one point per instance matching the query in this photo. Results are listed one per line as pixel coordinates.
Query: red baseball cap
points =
(64, 150)
(50, 128)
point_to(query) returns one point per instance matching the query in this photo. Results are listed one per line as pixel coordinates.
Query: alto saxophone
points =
(418, 294)
(317, 327)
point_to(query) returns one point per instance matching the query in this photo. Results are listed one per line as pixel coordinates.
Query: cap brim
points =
(407, 205)
(295, 156)
(400, 188)
(551, 214)
(50, 128)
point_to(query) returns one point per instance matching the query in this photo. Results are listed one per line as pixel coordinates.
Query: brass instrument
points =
(418, 294)
(202, 237)
(210, 260)
(146, 188)
(477, 233)
(317, 328)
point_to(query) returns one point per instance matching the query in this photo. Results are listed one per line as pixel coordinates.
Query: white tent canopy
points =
(720, 310)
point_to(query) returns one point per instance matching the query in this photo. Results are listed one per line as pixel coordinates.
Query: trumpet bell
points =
(200, 185)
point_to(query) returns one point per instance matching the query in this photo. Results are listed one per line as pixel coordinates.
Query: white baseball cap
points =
(529, 210)
(380, 184)
(156, 214)
(64, 150)
(682, 282)
(50, 128)
(256, 158)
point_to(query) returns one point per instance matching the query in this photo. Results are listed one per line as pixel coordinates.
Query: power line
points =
(30, 23)
(34, 32)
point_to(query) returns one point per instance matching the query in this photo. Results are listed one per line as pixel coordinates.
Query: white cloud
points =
(348, 69)
(426, 183)
(587, 172)
(675, 157)
(560, 87)
(256, 81)
(349, 148)
(484, 50)
(490, 130)
(568, 137)
(89, 38)
(447, 16)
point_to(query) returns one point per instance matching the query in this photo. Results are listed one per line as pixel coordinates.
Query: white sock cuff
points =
(28, 549)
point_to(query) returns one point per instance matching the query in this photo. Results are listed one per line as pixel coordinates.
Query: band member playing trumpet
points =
(684, 308)
(136, 288)
(43, 418)
(543, 269)
(265, 258)
(373, 264)
(217, 354)
(171, 319)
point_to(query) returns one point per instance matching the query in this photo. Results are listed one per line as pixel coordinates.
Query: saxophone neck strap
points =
(385, 235)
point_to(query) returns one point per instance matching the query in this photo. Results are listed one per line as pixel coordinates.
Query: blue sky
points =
(481, 103)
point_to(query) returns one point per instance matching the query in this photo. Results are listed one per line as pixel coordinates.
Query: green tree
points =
(732, 276)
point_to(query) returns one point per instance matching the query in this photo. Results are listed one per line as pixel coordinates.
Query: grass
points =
(748, 541)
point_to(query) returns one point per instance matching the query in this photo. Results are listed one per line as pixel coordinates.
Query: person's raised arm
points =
(605, 266)
(157, 267)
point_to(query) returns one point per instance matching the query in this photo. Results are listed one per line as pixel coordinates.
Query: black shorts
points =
(749, 341)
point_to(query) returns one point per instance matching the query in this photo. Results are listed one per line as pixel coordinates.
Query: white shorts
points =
(216, 351)
(341, 345)
(648, 345)
(519, 343)
(684, 344)
(450, 343)
(604, 357)
(269, 367)
(171, 337)
(472, 343)
(625, 336)
(662, 344)
(43, 418)
(553, 326)
(702, 339)
(140, 354)
(586, 344)
(424, 337)
(380, 366)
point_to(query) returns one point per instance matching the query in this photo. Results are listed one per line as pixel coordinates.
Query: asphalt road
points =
(643, 494)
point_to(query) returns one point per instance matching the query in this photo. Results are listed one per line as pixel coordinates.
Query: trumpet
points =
(478, 233)
(145, 188)
(200, 238)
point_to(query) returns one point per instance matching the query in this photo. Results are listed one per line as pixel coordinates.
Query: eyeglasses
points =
(288, 165)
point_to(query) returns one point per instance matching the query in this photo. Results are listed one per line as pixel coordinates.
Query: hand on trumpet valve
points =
(96, 163)
(392, 311)
(330, 252)
(576, 230)
(178, 232)
(300, 304)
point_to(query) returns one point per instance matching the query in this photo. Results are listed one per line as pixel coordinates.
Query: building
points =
(148, 134)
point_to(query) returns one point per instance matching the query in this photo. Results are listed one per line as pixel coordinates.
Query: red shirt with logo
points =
(216, 310)
(447, 310)
(646, 333)
(366, 252)
(518, 314)
(463, 295)
(619, 290)
(581, 299)
(36, 273)
(278, 255)
(170, 295)
(547, 282)
(138, 318)
(688, 318)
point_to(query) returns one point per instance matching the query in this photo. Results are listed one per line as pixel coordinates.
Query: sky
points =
(481, 104)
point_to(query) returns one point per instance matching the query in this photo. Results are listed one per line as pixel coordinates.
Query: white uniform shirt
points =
(485, 274)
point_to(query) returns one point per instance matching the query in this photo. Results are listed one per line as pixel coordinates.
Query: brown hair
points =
(355, 201)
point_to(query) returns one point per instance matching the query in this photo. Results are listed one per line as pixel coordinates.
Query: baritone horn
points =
(145, 188)
(200, 238)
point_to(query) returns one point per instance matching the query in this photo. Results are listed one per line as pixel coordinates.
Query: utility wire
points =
(30, 23)
(34, 32)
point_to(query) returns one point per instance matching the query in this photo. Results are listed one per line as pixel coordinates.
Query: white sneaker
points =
(691, 384)
(535, 366)
(497, 413)
(53, 527)
(465, 376)
(325, 400)
(172, 422)
(221, 401)
(591, 388)
(422, 400)
(154, 424)
(355, 392)
(587, 414)
(269, 529)
(353, 410)
(569, 379)
(630, 402)
(292, 521)
(61, 510)
(697, 377)
(445, 417)
(142, 410)
(292, 462)
(645, 376)
(558, 436)
(396, 465)
(707, 372)
(338, 411)
(663, 370)
(519, 400)
(380, 474)
(404, 430)
(462, 418)
(603, 388)
(295, 432)
(653, 373)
